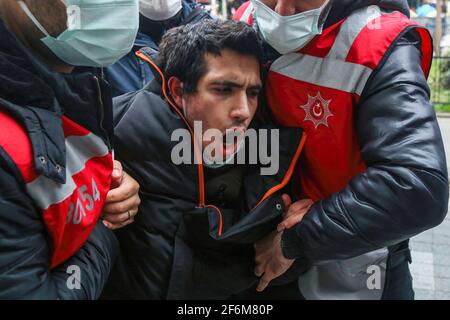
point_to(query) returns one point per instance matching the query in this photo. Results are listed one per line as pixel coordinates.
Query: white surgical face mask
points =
(159, 10)
(288, 33)
(99, 32)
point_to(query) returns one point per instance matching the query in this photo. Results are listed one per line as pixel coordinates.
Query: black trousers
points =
(398, 282)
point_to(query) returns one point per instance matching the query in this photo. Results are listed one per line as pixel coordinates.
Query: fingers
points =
(291, 221)
(295, 214)
(117, 175)
(259, 269)
(264, 281)
(276, 267)
(260, 264)
(286, 200)
(114, 226)
(263, 253)
(115, 221)
(300, 206)
(120, 217)
(120, 214)
(122, 203)
(270, 262)
(125, 190)
(296, 206)
(116, 208)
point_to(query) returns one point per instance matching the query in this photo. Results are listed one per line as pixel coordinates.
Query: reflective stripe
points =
(350, 30)
(335, 74)
(246, 15)
(79, 150)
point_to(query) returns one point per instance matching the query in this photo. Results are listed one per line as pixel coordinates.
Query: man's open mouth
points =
(231, 140)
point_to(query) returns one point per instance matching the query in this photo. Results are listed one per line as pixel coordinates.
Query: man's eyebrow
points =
(228, 83)
(234, 84)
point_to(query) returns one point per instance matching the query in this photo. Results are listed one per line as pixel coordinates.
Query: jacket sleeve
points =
(404, 190)
(24, 252)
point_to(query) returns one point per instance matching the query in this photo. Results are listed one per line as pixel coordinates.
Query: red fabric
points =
(68, 238)
(372, 43)
(321, 45)
(73, 129)
(92, 184)
(427, 50)
(15, 142)
(240, 12)
(332, 155)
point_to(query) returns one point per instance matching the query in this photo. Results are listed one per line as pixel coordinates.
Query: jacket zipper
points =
(272, 190)
(102, 111)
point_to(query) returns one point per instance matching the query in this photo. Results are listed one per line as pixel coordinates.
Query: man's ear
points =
(176, 90)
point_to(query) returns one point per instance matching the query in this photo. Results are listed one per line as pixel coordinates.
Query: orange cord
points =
(196, 147)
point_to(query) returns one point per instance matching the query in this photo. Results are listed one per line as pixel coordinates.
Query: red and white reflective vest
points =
(71, 210)
(319, 87)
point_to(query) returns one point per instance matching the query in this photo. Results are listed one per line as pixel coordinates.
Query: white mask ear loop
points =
(32, 17)
(183, 103)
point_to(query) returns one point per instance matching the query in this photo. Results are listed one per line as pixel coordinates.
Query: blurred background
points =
(435, 15)
(222, 8)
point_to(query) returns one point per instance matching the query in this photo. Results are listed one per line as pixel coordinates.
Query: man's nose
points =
(241, 109)
(285, 7)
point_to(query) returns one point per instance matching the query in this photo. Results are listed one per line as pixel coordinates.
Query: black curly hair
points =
(182, 50)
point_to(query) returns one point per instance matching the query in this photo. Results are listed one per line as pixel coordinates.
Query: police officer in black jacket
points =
(357, 235)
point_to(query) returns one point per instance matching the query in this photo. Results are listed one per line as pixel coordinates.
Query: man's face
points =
(291, 7)
(51, 14)
(227, 95)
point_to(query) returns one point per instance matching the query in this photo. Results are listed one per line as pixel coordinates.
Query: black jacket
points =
(405, 188)
(36, 98)
(174, 250)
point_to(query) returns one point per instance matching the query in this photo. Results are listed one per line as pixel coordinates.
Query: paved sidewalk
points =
(431, 249)
(431, 263)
